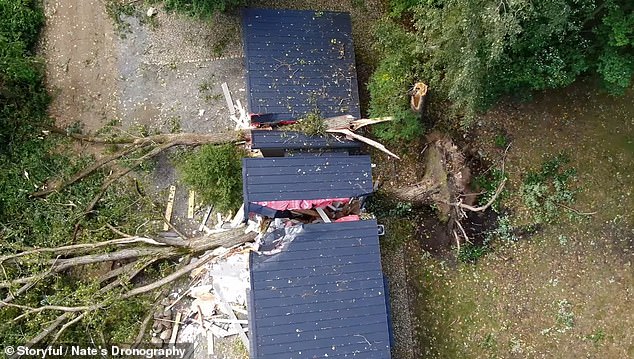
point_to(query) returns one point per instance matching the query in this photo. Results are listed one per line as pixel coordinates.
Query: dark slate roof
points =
(322, 296)
(291, 140)
(305, 177)
(297, 60)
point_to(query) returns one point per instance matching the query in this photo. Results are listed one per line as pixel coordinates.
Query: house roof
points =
(297, 61)
(293, 140)
(305, 178)
(322, 296)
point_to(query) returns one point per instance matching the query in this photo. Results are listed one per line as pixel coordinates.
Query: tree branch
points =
(119, 241)
(482, 208)
(59, 184)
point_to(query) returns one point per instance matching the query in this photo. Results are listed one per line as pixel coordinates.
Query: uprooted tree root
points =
(446, 185)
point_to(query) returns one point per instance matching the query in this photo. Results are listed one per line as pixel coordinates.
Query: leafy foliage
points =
(26, 223)
(311, 124)
(202, 8)
(470, 253)
(472, 52)
(545, 190)
(215, 173)
(28, 159)
(389, 83)
(23, 100)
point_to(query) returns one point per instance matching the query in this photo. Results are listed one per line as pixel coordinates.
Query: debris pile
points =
(212, 306)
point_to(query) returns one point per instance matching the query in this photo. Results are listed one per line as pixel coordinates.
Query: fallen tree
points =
(28, 271)
(138, 253)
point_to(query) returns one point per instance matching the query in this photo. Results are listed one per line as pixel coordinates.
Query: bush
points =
(470, 253)
(389, 84)
(21, 21)
(215, 173)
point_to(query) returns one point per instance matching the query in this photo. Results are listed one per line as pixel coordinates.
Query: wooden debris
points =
(205, 219)
(175, 329)
(200, 317)
(230, 321)
(225, 90)
(323, 215)
(227, 309)
(169, 208)
(210, 343)
(178, 299)
(370, 142)
(220, 221)
(190, 204)
(216, 330)
(238, 218)
(308, 212)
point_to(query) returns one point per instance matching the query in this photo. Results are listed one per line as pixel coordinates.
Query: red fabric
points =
(349, 218)
(301, 204)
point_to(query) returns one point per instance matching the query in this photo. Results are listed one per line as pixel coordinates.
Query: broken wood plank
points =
(210, 343)
(323, 215)
(190, 204)
(244, 121)
(177, 322)
(221, 332)
(225, 90)
(220, 221)
(238, 218)
(205, 219)
(227, 309)
(169, 208)
(307, 212)
(370, 142)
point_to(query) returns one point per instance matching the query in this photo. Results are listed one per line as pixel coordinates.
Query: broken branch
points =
(488, 204)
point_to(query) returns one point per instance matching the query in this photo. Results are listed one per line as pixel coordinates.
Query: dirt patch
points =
(171, 73)
(81, 63)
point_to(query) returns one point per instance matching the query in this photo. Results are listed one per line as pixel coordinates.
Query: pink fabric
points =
(301, 204)
(350, 218)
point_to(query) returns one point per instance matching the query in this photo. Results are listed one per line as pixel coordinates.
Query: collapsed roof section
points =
(271, 183)
(298, 62)
(323, 295)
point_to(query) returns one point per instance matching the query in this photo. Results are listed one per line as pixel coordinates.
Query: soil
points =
(81, 63)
